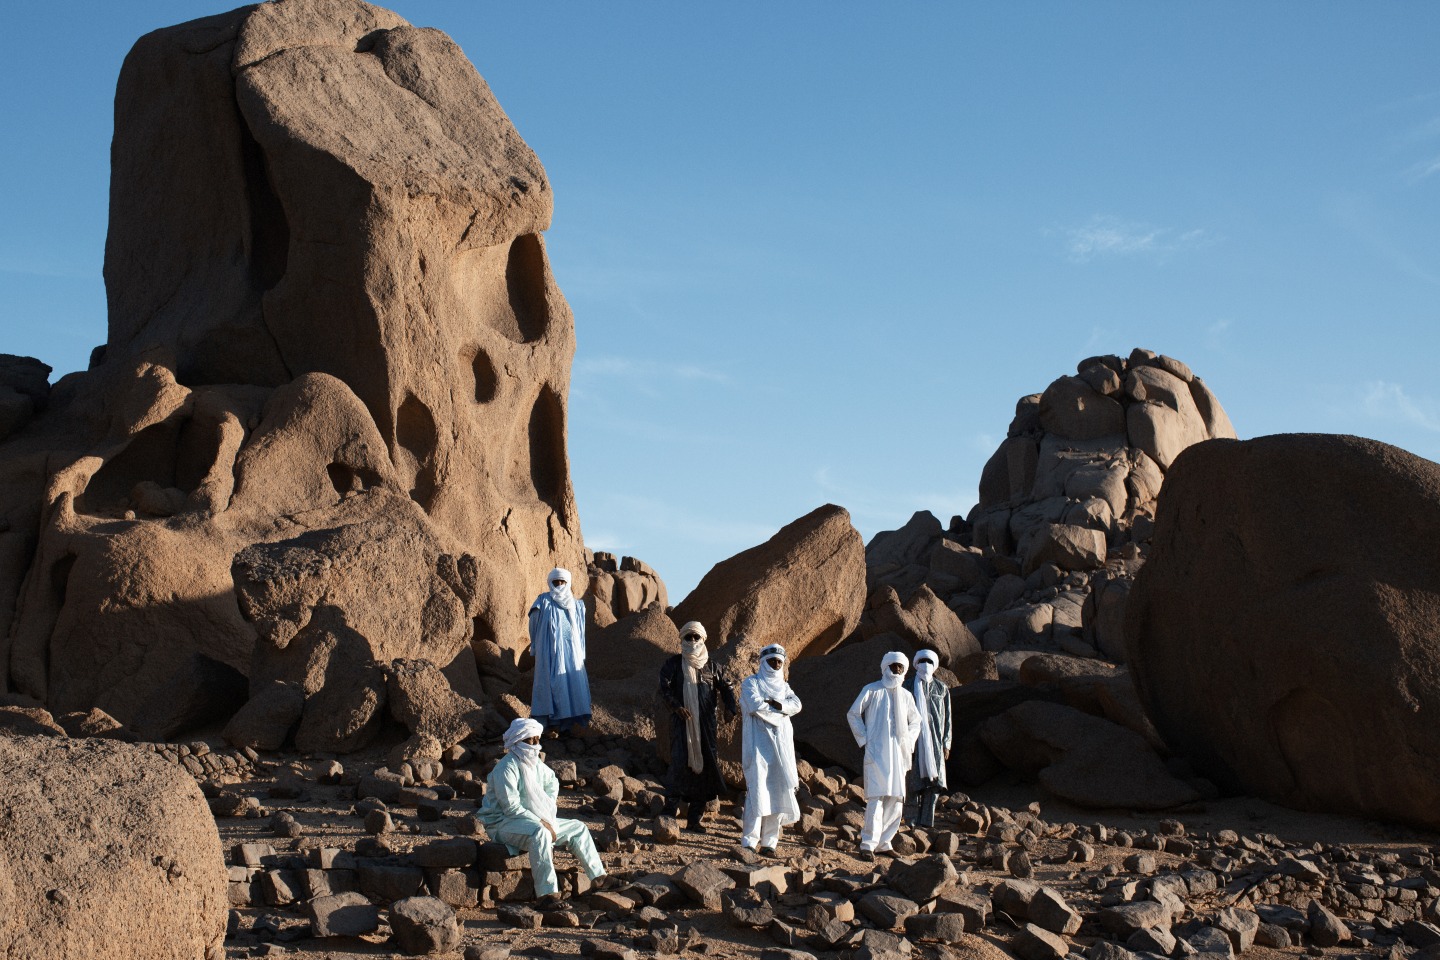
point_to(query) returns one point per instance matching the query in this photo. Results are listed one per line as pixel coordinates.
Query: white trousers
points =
(882, 820)
(761, 831)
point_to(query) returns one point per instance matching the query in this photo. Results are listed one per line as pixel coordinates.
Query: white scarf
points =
(693, 657)
(771, 681)
(537, 800)
(565, 598)
(929, 755)
(893, 691)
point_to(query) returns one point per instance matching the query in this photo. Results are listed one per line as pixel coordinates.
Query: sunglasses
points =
(692, 636)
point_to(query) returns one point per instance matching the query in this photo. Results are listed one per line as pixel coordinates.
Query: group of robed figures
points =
(898, 729)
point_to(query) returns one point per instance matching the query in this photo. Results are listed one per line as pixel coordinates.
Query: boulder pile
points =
(1024, 599)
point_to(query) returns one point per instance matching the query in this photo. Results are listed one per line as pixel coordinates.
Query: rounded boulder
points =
(1285, 632)
(110, 852)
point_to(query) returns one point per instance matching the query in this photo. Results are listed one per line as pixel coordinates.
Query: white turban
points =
(565, 598)
(522, 728)
(537, 800)
(893, 680)
(772, 679)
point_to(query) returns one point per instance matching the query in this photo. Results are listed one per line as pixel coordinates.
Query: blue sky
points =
(816, 251)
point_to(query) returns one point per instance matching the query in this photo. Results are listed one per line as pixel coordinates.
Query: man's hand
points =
(551, 828)
(773, 704)
(684, 713)
(947, 754)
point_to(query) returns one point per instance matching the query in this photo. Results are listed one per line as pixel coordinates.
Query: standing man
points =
(885, 723)
(560, 697)
(932, 749)
(693, 688)
(520, 812)
(767, 749)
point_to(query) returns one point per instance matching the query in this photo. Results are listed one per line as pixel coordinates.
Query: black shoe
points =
(695, 826)
(766, 852)
(551, 901)
(866, 856)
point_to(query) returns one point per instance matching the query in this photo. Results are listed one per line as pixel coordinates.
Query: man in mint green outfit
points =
(520, 811)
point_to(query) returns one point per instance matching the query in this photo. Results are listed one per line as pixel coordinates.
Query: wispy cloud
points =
(1106, 236)
(1383, 400)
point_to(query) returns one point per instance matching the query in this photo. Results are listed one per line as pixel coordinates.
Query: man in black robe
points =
(693, 689)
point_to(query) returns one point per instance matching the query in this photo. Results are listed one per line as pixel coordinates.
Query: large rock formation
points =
(1044, 563)
(1044, 560)
(1284, 636)
(334, 381)
(109, 852)
(803, 588)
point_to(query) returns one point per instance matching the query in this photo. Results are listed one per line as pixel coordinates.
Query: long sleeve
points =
(912, 721)
(945, 730)
(725, 694)
(668, 671)
(751, 702)
(856, 716)
(549, 782)
(791, 704)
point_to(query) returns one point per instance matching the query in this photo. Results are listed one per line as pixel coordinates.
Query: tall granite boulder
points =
(332, 326)
(109, 852)
(1285, 633)
(803, 588)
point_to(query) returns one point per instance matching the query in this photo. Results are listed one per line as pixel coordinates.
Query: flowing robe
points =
(887, 749)
(561, 693)
(767, 749)
(714, 690)
(937, 715)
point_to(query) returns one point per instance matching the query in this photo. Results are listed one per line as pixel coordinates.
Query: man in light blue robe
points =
(561, 695)
(520, 811)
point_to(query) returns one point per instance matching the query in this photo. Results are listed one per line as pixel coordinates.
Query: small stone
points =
(1326, 929)
(378, 822)
(703, 883)
(666, 831)
(945, 927)
(285, 825)
(1240, 925)
(1141, 863)
(885, 909)
(1152, 940)
(424, 925)
(343, 915)
(1037, 943)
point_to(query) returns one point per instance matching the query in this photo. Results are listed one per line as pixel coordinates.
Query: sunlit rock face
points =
(332, 329)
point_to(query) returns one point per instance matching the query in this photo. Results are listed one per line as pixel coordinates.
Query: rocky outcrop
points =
(1042, 567)
(1283, 634)
(803, 588)
(620, 586)
(335, 348)
(109, 852)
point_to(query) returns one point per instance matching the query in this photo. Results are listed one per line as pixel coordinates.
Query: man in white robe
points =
(932, 748)
(767, 750)
(886, 724)
(560, 696)
(520, 811)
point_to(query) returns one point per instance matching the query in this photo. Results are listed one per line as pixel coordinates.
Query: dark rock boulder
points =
(1285, 633)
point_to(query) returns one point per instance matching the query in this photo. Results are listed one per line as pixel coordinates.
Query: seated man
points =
(520, 812)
